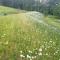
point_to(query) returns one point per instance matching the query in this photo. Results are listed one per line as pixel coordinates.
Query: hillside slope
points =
(29, 36)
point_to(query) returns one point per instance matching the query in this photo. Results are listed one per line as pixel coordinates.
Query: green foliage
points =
(56, 10)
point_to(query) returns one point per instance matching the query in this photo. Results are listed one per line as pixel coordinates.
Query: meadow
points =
(28, 35)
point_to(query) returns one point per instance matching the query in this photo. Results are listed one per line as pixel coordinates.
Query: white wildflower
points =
(54, 43)
(50, 41)
(33, 57)
(40, 49)
(21, 52)
(6, 42)
(46, 53)
(4, 34)
(40, 54)
(22, 56)
(28, 56)
(30, 51)
(30, 59)
(46, 48)
(54, 53)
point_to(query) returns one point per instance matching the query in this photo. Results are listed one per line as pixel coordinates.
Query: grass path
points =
(36, 16)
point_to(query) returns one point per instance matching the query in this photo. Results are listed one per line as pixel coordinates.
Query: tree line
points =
(45, 6)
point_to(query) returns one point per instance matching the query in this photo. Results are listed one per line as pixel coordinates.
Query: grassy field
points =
(28, 36)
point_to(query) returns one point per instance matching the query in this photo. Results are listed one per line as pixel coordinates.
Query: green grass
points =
(53, 21)
(8, 10)
(22, 38)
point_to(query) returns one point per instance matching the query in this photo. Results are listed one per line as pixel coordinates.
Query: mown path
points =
(38, 17)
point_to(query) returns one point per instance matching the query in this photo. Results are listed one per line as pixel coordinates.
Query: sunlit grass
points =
(8, 10)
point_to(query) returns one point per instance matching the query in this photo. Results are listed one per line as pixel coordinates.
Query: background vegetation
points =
(51, 7)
